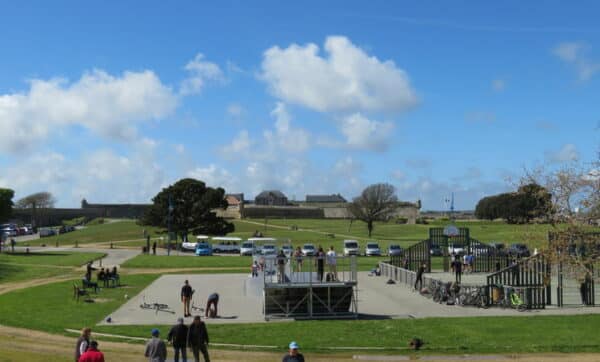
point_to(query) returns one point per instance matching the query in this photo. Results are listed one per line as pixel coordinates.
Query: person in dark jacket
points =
(211, 305)
(178, 338)
(186, 298)
(419, 278)
(92, 354)
(293, 355)
(82, 342)
(197, 339)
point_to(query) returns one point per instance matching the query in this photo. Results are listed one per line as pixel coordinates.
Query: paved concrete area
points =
(240, 299)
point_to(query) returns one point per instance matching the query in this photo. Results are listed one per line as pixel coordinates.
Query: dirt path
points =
(9, 287)
(41, 345)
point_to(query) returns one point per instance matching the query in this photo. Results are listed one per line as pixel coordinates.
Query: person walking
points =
(332, 263)
(92, 354)
(213, 301)
(419, 278)
(156, 349)
(197, 339)
(178, 338)
(186, 298)
(82, 342)
(320, 263)
(293, 355)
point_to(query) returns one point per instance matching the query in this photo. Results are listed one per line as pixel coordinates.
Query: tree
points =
(39, 200)
(529, 202)
(6, 203)
(191, 203)
(376, 203)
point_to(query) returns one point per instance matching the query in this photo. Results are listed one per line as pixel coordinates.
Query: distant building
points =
(234, 199)
(271, 198)
(325, 198)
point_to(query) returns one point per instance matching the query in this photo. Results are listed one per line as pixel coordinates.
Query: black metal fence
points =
(414, 256)
(532, 275)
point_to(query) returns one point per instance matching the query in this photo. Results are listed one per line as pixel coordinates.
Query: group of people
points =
(461, 263)
(181, 337)
(187, 293)
(108, 275)
(320, 259)
(86, 349)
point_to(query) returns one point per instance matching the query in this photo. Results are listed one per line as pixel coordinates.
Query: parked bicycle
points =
(474, 296)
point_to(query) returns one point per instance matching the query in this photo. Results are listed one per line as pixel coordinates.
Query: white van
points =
(351, 247)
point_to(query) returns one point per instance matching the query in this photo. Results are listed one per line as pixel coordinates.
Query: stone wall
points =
(288, 212)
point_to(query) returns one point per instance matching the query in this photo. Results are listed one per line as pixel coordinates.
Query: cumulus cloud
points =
(200, 72)
(108, 105)
(235, 110)
(346, 78)
(567, 152)
(363, 133)
(575, 54)
(238, 147)
(214, 176)
(284, 136)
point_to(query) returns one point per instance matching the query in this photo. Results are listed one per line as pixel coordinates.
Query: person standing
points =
(92, 354)
(419, 278)
(197, 339)
(178, 338)
(213, 301)
(320, 263)
(298, 258)
(293, 355)
(332, 262)
(82, 342)
(186, 298)
(154, 248)
(458, 270)
(156, 349)
(281, 260)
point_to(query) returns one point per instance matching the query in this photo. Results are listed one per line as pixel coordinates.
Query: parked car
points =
(372, 249)
(394, 250)
(435, 250)
(191, 245)
(287, 249)
(308, 250)
(519, 250)
(351, 247)
(9, 231)
(203, 249)
(456, 248)
(226, 244)
(268, 249)
(47, 232)
(499, 248)
(247, 248)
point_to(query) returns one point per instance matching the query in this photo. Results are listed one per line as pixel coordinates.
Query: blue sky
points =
(115, 100)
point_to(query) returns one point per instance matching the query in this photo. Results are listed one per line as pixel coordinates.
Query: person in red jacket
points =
(92, 354)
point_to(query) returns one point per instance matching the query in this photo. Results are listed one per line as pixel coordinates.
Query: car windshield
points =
(394, 246)
(268, 247)
(286, 247)
(352, 245)
(309, 246)
(202, 245)
(247, 245)
(372, 246)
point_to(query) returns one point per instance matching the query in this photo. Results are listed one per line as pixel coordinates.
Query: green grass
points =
(50, 258)
(173, 261)
(17, 273)
(51, 307)
(449, 335)
(20, 355)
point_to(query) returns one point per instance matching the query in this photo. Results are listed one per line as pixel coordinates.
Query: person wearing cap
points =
(92, 354)
(197, 339)
(156, 349)
(293, 355)
(186, 298)
(178, 338)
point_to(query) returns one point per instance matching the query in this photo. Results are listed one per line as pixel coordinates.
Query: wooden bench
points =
(89, 285)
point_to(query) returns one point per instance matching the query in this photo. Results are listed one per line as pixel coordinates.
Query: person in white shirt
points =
(332, 262)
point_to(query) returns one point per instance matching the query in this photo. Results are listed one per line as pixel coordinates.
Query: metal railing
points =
(398, 274)
(308, 269)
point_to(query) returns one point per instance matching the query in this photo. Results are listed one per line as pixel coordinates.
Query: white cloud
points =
(575, 54)
(238, 147)
(179, 148)
(363, 133)
(346, 79)
(284, 136)
(108, 105)
(214, 176)
(201, 72)
(568, 152)
(235, 110)
(498, 85)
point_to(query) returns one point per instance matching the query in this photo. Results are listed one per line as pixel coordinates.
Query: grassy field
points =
(20, 266)
(173, 261)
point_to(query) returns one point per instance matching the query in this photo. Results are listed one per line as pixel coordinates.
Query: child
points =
(255, 269)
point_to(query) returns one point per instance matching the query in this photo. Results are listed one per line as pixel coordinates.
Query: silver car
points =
(394, 250)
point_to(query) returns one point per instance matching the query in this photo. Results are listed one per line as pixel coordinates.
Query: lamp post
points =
(169, 217)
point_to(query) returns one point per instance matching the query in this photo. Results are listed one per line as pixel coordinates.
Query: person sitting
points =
(103, 277)
(114, 276)
(87, 283)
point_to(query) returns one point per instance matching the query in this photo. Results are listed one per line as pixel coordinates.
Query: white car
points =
(351, 247)
(287, 249)
(308, 250)
(247, 248)
(372, 249)
(268, 249)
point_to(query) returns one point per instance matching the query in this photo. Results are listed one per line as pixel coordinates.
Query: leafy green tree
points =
(6, 203)
(376, 203)
(191, 204)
